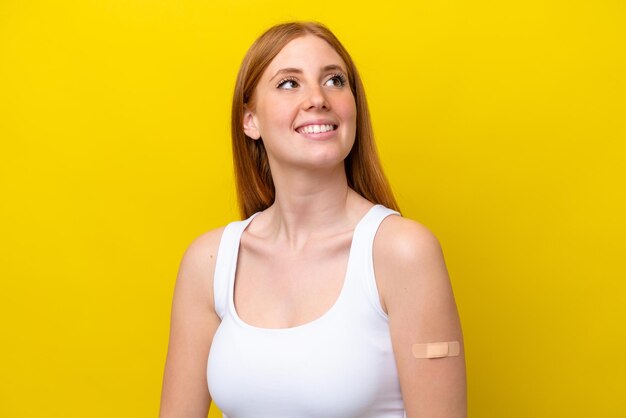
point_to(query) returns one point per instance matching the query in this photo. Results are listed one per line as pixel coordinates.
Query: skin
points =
(307, 232)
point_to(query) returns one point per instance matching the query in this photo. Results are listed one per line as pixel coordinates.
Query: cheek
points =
(275, 114)
(348, 114)
(347, 109)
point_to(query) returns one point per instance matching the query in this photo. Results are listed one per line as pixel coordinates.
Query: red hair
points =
(255, 187)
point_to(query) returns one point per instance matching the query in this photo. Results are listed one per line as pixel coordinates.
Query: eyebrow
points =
(299, 71)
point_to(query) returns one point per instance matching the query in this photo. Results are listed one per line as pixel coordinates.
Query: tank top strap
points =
(226, 263)
(364, 261)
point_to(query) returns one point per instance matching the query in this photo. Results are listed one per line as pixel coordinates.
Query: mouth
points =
(316, 129)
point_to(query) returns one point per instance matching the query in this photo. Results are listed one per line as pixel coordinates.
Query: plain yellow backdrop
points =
(501, 126)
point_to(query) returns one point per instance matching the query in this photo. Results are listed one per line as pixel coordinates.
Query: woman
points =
(323, 302)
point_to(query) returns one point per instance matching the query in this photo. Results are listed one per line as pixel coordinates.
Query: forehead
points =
(307, 52)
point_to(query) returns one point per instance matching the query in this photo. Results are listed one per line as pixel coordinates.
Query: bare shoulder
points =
(406, 243)
(405, 234)
(198, 263)
(407, 255)
(203, 249)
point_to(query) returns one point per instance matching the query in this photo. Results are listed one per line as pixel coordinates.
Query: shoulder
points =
(405, 241)
(408, 260)
(197, 266)
(202, 250)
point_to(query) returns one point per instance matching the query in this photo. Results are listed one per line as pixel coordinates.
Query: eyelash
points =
(340, 76)
(284, 80)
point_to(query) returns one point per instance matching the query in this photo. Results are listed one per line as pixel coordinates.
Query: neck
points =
(309, 205)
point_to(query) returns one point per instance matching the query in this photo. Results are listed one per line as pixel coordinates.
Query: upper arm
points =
(416, 293)
(193, 324)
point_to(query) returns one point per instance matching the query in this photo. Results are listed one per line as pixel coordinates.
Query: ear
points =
(250, 127)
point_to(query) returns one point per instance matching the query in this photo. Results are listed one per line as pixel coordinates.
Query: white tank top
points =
(340, 365)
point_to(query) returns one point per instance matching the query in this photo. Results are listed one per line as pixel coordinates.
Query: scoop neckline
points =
(323, 317)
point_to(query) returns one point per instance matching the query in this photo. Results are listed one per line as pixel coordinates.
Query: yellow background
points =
(501, 126)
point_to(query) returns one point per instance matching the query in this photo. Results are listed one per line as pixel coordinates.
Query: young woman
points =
(324, 302)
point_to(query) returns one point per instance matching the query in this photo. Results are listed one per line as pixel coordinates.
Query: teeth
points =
(316, 129)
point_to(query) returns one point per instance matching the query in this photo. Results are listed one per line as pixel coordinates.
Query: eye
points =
(287, 84)
(336, 80)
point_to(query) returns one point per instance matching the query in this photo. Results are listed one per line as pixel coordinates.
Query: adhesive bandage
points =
(436, 350)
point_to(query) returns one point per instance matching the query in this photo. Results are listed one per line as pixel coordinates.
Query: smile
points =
(316, 129)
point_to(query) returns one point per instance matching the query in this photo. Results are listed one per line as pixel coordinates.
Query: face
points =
(302, 108)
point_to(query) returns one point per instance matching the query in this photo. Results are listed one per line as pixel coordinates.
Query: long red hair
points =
(255, 187)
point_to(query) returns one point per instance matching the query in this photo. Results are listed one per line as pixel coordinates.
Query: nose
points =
(316, 99)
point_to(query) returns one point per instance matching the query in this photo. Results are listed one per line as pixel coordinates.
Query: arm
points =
(416, 293)
(185, 392)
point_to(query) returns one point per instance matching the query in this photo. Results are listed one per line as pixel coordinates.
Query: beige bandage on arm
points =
(436, 350)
